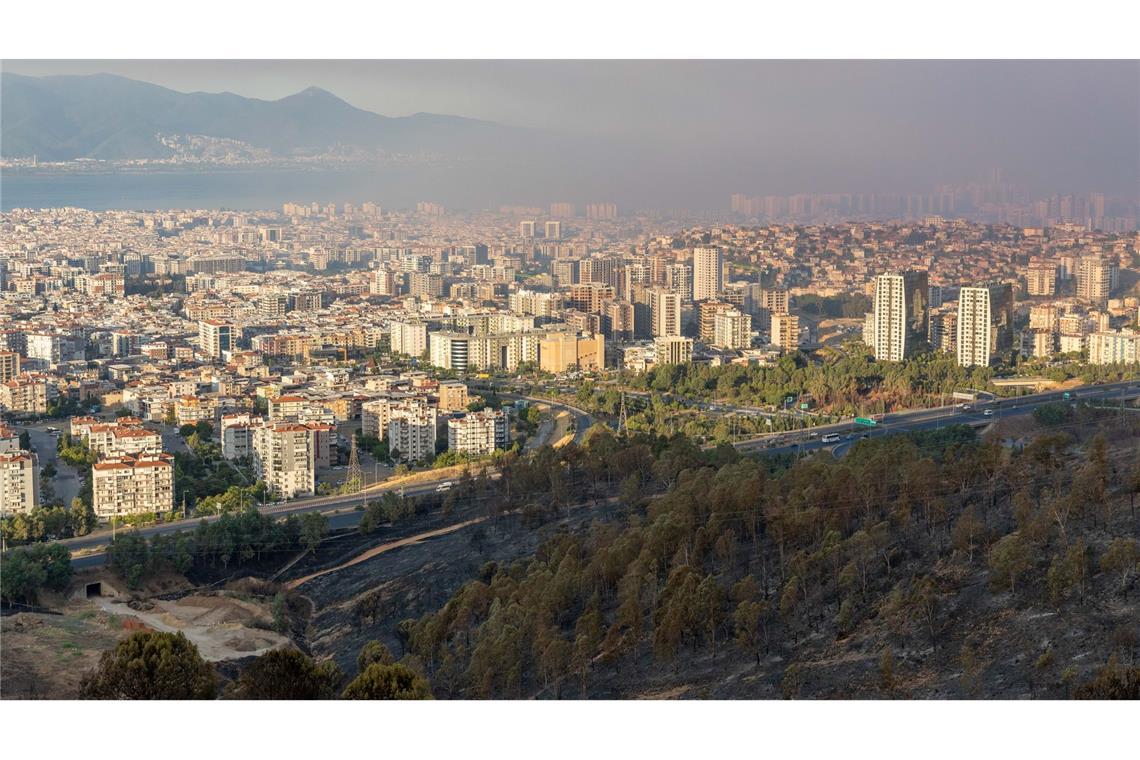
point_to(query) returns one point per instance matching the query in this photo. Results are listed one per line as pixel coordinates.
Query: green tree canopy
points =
(151, 665)
(287, 674)
(374, 652)
(395, 681)
(27, 570)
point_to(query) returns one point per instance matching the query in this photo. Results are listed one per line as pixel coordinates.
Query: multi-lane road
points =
(343, 505)
(975, 413)
(582, 419)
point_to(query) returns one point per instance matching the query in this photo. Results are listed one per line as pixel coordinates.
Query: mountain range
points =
(102, 116)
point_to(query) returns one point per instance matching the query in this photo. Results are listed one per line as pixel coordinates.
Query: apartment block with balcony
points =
(133, 485)
(478, 433)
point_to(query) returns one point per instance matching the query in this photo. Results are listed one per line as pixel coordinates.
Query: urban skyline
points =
(732, 380)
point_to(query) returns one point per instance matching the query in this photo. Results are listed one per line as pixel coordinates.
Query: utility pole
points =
(622, 418)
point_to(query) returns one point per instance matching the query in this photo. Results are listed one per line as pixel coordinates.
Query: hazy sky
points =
(767, 126)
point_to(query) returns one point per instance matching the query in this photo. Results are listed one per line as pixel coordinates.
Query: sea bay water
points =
(239, 189)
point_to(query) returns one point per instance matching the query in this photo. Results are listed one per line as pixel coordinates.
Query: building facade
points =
(708, 278)
(664, 312)
(674, 349)
(19, 482)
(133, 485)
(1121, 347)
(478, 433)
(285, 458)
(732, 329)
(786, 331)
(985, 324)
(411, 432)
(901, 315)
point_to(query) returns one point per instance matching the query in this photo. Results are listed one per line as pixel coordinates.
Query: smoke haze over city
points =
(686, 133)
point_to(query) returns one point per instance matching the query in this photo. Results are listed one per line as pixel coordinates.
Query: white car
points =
(988, 413)
(445, 486)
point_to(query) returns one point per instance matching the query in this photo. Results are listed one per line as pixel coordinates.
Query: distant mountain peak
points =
(315, 92)
(69, 117)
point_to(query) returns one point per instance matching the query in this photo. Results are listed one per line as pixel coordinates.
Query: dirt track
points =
(410, 540)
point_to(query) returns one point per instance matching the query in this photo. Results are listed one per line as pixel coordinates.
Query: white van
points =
(831, 438)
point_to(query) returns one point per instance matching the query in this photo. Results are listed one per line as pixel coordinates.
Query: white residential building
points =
(408, 337)
(383, 283)
(732, 329)
(285, 458)
(1096, 277)
(673, 349)
(450, 350)
(901, 318)
(19, 482)
(377, 413)
(985, 324)
(216, 338)
(133, 485)
(478, 433)
(1121, 347)
(664, 312)
(411, 432)
(708, 273)
(237, 435)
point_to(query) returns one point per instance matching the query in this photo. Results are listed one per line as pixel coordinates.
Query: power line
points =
(354, 478)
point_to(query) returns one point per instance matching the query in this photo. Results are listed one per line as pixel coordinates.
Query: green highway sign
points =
(865, 421)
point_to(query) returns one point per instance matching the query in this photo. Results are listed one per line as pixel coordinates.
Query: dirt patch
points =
(221, 625)
(43, 656)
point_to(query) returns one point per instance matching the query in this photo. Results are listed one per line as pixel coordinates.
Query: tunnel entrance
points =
(94, 589)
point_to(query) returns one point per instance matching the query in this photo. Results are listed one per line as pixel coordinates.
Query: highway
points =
(796, 442)
(345, 519)
(931, 419)
(583, 420)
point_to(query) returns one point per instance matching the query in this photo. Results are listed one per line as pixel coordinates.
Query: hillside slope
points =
(103, 116)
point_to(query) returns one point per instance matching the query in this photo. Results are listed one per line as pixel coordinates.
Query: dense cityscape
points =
(164, 365)
(825, 445)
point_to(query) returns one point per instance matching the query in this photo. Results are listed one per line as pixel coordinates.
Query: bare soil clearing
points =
(223, 627)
